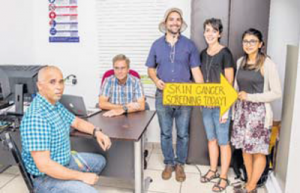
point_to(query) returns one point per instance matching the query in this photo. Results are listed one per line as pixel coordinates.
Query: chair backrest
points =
(17, 156)
(111, 72)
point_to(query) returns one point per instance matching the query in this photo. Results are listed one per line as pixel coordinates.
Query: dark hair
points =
(215, 23)
(261, 56)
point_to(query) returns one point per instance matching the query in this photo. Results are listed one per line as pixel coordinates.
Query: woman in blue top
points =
(216, 59)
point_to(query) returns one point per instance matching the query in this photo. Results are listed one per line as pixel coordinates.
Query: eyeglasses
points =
(120, 68)
(250, 42)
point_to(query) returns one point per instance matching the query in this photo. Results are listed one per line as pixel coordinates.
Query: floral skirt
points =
(249, 132)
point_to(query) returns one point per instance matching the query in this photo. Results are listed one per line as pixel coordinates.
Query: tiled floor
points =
(11, 181)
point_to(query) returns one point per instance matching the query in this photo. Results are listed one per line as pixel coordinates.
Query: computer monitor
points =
(4, 85)
(18, 83)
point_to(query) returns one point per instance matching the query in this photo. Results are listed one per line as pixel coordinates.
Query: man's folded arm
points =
(106, 105)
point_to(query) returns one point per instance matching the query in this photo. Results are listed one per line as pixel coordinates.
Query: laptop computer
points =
(75, 104)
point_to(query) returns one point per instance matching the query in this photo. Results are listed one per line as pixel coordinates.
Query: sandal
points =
(220, 188)
(205, 179)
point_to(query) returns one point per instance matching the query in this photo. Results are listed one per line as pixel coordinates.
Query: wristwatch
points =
(95, 130)
(125, 109)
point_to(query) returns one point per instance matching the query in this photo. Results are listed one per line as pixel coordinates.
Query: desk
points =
(123, 130)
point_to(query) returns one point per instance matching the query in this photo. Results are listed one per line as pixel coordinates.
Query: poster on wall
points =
(63, 21)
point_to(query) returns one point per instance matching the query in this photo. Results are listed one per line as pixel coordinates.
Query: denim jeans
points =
(166, 116)
(95, 163)
(213, 128)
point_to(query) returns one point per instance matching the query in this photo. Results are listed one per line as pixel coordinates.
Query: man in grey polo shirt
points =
(173, 58)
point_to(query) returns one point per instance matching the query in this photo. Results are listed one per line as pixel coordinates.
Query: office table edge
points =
(76, 133)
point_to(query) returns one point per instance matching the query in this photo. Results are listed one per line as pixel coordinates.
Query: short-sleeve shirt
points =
(46, 127)
(173, 63)
(122, 94)
(212, 66)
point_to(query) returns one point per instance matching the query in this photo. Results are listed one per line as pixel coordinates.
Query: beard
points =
(172, 31)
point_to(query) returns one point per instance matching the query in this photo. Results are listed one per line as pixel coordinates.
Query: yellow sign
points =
(220, 95)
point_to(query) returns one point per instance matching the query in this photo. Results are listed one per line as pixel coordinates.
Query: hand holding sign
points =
(220, 95)
(160, 84)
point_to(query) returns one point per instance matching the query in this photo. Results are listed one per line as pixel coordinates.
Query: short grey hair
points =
(121, 57)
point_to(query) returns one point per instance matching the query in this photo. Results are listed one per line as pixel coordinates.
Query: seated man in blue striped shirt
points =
(121, 93)
(46, 148)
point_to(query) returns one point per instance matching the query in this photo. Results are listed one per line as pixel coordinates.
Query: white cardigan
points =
(272, 89)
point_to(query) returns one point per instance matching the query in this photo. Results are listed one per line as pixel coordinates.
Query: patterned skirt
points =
(249, 132)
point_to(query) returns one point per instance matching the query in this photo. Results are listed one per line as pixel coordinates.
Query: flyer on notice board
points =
(63, 21)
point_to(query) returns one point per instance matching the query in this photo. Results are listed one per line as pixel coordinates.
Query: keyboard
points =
(4, 104)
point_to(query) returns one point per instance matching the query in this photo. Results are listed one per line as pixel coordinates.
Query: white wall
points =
(73, 58)
(16, 32)
(284, 29)
(24, 40)
(293, 170)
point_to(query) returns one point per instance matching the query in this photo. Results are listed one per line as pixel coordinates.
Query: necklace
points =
(208, 67)
(172, 54)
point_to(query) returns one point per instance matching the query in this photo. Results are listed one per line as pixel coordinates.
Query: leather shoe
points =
(179, 172)
(167, 173)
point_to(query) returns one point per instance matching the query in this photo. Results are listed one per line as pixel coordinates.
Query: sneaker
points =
(167, 173)
(179, 171)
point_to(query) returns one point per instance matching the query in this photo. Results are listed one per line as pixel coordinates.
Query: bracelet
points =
(95, 130)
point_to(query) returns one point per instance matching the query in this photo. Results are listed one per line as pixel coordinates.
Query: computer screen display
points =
(18, 83)
(4, 85)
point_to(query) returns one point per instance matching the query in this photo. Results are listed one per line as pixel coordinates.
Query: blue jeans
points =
(166, 115)
(95, 162)
(215, 130)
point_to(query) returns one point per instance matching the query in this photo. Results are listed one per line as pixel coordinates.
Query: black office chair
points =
(17, 156)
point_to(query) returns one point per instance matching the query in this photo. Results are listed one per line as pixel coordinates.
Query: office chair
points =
(17, 156)
(111, 72)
